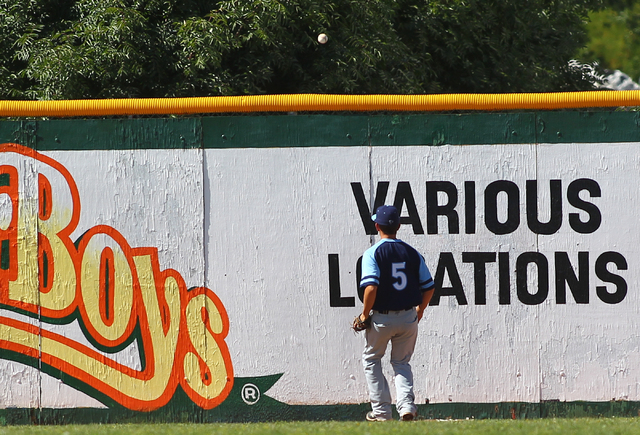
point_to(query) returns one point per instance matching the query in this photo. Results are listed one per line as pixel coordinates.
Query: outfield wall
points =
(205, 268)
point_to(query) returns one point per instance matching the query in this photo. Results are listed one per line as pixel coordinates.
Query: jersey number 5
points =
(398, 273)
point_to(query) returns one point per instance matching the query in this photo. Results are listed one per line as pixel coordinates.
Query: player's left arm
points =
(368, 299)
(370, 280)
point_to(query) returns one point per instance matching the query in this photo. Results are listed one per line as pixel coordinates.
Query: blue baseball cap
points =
(386, 215)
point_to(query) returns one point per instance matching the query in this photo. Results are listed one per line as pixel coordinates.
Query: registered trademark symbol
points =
(250, 394)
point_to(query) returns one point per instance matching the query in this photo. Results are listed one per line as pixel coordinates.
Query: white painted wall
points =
(296, 207)
(257, 225)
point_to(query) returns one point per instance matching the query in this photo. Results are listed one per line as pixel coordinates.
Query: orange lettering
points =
(116, 289)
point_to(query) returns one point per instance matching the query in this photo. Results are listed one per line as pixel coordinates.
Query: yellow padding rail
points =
(319, 103)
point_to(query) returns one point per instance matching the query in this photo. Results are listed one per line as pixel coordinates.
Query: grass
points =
(608, 426)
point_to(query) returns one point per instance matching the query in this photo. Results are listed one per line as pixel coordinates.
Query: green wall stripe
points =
(305, 130)
(106, 134)
(275, 131)
(437, 129)
(577, 127)
(22, 132)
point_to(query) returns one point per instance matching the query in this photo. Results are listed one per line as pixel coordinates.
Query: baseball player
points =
(397, 288)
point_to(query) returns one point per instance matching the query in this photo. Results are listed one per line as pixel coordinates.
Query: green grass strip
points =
(594, 426)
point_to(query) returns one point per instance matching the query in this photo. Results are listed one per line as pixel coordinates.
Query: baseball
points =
(322, 38)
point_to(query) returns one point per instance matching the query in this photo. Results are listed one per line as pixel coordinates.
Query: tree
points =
(614, 39)
(62, 49)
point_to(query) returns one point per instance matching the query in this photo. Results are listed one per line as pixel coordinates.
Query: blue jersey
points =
(400, 273)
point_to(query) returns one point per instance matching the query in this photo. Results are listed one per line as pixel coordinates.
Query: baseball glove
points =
(360, 325)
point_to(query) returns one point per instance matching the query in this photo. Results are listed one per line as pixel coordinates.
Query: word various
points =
(117, 293)
(508, 190)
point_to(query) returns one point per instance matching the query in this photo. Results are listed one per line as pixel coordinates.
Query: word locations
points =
(118, 295)
(531, 273)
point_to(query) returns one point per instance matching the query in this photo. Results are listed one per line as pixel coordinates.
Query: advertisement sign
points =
(149, 279)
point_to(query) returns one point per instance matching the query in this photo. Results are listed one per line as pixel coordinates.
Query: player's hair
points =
(389, 230)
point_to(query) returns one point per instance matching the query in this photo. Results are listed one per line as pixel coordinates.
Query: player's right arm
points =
(426, 298)
(427, 287)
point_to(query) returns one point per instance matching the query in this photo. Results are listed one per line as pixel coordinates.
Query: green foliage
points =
(614, 39)
(499, 46)
(63, 49)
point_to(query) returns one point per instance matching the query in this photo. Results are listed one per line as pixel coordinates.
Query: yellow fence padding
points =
(319, 103)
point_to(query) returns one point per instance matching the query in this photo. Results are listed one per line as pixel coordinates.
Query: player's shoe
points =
(372, 417)
(409, 416)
